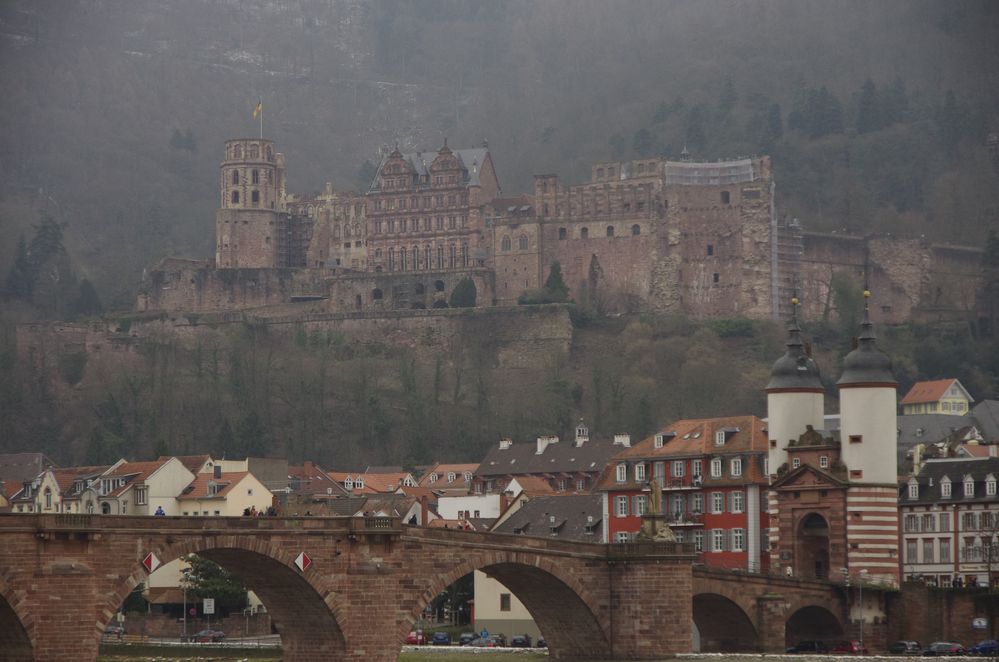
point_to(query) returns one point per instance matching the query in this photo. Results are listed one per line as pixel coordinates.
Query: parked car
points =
(852, 647)
(116, 631)
(541, 643)
(944, 648)
(905, 648)
(416, 638)
(492, 641)
(520, 641)
(987, 647)
(465, 638)
(440, 639)
(207, 636)
(809, 646)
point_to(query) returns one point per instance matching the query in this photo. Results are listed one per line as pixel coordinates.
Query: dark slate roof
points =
(866, 364)
(928, 428)
(570, 513)
(986, 414)
(19, 467)
(795, 369)
(560, 457)
(933, 471)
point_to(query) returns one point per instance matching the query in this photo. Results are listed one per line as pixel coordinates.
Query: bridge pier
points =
(771, 618)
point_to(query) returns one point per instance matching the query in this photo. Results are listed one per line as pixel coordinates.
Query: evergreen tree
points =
(464, 294)
(555, 284)
(20, 278)
(226, 442)
(641, 143)
(869, 108)
(773, 127)
(86, 303)
(694, 135)
(252, 438)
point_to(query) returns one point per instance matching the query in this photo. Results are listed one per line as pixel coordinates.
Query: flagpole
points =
(261, 119)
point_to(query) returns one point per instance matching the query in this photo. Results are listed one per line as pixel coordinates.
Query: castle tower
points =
(795, 397)
(868, 438)
(247, 224)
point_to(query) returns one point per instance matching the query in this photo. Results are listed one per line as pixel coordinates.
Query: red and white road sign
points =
(303, 561)
(150, 562)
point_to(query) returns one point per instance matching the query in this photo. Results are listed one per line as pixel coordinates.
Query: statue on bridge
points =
(654, 526)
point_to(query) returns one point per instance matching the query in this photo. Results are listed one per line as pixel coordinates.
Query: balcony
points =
(684, 519)
(684, 483)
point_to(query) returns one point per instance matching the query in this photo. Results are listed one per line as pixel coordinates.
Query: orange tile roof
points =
(199, 488)
(388, 482)
(342, 476)
(192, 462)
(144, 468)
(922, 392)
(443, 470)
(534, 485)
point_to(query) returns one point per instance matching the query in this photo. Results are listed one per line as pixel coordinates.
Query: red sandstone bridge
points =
(63, 577)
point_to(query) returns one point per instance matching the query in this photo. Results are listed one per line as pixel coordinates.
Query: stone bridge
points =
(63, 577)
(738, 611)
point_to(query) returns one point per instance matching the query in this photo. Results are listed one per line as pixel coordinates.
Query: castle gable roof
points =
(471, 161)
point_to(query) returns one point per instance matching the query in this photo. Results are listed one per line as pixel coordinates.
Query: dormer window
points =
(622, 473)
(990, 485)
(658, 442)
(639, 472)
(913, 490)
(468, 476)
(433, 478)
(969, 486)
(720, 438)
(824, 462)
(349, 483)
(359, 482)
(451, 476)
(945, 487)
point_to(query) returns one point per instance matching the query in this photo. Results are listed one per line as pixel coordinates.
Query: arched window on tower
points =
(235, 197)
(505, 244)
(452, 256)
(237, 152)
(636, 229)
(523, 242)
(416, 258)
(610, 230)
(428, 257)
(584, 233)
(254, 152)
(255, 176)
(235, 177)
(255, 198)
(464, 254)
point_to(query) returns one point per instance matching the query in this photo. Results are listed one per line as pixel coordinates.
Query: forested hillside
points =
(114, 112)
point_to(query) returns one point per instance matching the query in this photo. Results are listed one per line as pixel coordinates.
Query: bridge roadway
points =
(63, 576)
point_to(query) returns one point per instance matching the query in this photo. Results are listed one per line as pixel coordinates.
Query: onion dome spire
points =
(796, 370)
(866, 364)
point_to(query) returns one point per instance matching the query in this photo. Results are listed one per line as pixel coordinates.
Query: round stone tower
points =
(867, 405)
(795, 397)
(247, 225)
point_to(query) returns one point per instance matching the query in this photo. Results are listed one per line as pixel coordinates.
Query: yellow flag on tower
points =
(257, 109)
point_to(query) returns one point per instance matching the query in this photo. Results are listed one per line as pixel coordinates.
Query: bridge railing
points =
(641, 549)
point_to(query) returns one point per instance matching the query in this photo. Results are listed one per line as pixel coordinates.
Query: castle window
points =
(402, 225)
(254, 152)
(523, 242)
(402, 259)
(378, 253)
(416, 258)
(237, 152)
(610, 172)
(255, 198)
(391, 259)
(640, 206)
(545, 213)
(584, 233)
(451, 222)
(235, 176)
(561, 233)
(715, 278)
(235, 197)
(641, 168)
(428, 255)
(610, 230)
(711, 249)
(255, 176)
(376, 294)
(270, 154)
(725, 197)
(439, 285)
(452, 256)
(636, 230)
(600, 173)
(440, 222)
(505, 244)
(464, 254)
(357, 300)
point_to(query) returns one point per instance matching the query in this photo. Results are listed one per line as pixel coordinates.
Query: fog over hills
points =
(114, 112)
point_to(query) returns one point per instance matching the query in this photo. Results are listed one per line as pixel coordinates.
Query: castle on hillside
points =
(702, 239)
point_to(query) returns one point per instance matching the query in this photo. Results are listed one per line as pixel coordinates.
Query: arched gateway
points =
(337, 587)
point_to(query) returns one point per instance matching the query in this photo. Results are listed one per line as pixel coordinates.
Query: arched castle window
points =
(346, 232)
(235, 177)
(254, 152)
(378, 253)
(255, 176)
(391, 259)
(610, 230)
(428, 257)
(357, 229)
(561, 233)
(584, 233)
(237, 152)
(376, 294)
(636, 230)
(505, 244)
(523, 242)
(255, 197)
(440, 257)
(452, 256)
(416, 258)
(235, 197)
(402, 259)
(464, 254)
(439, 285)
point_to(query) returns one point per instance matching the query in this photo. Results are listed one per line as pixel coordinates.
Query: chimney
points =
(544, 442)
(217, 471)
(505, 443)
(622, 440)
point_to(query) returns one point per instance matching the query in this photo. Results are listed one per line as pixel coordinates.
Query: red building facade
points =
(712, 473)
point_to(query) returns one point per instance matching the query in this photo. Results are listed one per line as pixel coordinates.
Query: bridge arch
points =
(557, 601)
(302, 605)
(812, 622)
(723, 625)
(15, 642)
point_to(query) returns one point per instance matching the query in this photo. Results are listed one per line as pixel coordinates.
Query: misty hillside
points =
(114, 112)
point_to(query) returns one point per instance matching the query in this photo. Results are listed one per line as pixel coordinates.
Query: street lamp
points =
(860, 589)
